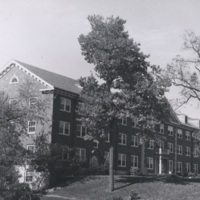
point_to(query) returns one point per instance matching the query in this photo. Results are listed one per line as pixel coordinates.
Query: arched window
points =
(14, 79)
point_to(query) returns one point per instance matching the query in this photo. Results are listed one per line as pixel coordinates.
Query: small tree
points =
(14, 117)
(124, 84)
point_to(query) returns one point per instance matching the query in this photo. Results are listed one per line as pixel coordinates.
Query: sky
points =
(44, 33)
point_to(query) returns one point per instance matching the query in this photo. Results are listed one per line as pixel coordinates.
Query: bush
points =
(134, 171)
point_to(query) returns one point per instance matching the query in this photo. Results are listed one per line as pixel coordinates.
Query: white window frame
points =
(65, 151)
(81, 153)
(31, 127)
(180, 133)
(123, 121)
(179, 150)
(179, 168)
(188, 135)
(83, 131)
(122, 139)
(29, 173)
(30, 145)
(161, 128)
(134, 161)
(134, 123)
(65, 102)
(121, 160)
(64, 126)
(150, 163)
(196, 168)
(14, 77)
(188, 151)
(171, 165)
(150, 145)
(134, 141)
(95, 144)
(170, 130)
(161, 144)
(187, 167)
(171, 147)
(107, 140)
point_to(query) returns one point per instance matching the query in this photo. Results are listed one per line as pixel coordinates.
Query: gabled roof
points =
(55, 80)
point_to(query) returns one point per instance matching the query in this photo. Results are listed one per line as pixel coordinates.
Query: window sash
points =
(149, 163)
(122, 139)
(122, 160)
(134, 141)
(31, 127)
(134, 161)
(65, 104)
(64, 128)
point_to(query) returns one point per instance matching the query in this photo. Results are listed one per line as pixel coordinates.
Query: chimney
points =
(186, 119)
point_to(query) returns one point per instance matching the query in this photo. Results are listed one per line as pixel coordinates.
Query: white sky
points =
(44, 33)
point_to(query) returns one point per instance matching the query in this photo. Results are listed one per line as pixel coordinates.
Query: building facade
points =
(175, 152)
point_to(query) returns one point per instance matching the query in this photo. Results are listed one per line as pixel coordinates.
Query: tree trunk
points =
(111, 170)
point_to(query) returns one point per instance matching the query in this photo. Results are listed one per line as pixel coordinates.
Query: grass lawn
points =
(145, 188)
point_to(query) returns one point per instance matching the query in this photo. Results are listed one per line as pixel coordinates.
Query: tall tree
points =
(124, 84)
(184, 71)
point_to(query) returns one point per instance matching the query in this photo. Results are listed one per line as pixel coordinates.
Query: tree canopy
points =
(184, 71)
(124, 84)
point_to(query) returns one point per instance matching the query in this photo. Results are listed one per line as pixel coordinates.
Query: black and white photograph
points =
(99, 100)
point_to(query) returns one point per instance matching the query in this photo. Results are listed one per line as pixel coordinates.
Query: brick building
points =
(175, 152)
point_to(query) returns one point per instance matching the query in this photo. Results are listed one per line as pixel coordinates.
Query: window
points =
(65, 104)
(187, 166)
(196, 170)
(64, 128)
(171, 147)
(195, 152)
(122, 139)
(134, 122)
(179, 149)
(33, 102)
(180, 134)
(179, 167)
(65, 153)
(14, 79)
(134, 141)
(149, 163)
(188, 151)
(170, 131)
(123, 121)
(31, 127)
(31, 148)
(171, 168)
(161, 129)
(122, 160)
(81, 131)
(134, 161)
(187, 135)
(29, 175)
(95, 144)
(150, 144)
(161, 144)
(81, 154)
(107, 138)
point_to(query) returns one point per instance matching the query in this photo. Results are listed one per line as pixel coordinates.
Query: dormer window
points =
(14, 79)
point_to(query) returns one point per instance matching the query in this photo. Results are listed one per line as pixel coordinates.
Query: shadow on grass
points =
(130, 180)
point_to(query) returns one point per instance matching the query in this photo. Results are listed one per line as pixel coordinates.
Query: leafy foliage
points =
(124, 84)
